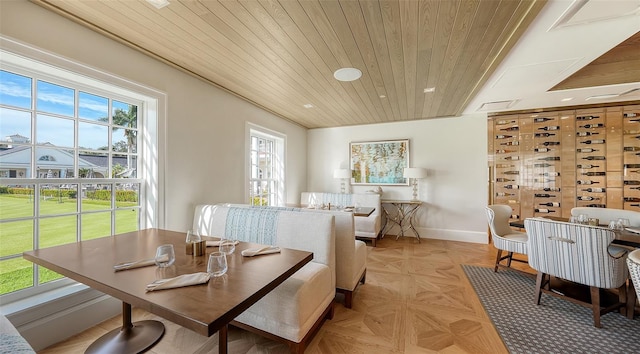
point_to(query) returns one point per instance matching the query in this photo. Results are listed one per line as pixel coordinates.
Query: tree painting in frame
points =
(379, 162)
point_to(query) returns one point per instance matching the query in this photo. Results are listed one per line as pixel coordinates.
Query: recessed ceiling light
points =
(429, 89)
(347, 74)
(566, 99)
(382, 96)
(308, 105)
(158, 3)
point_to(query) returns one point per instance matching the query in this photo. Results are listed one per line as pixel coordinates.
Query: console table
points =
(402, 215)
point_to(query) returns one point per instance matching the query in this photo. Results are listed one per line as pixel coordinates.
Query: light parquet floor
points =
(416, 299)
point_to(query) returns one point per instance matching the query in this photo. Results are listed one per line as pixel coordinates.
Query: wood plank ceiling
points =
(281, 54)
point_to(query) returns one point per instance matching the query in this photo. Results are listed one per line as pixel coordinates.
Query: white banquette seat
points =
(294, 310)
(367, 228)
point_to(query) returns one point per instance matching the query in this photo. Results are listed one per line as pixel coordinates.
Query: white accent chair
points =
(10, 339)
(295, 310)
(606, 215)
(366, 228)
(633, 262)
(577, 253)
(504, 238)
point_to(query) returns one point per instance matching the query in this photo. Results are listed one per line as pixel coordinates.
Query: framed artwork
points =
(379, 162)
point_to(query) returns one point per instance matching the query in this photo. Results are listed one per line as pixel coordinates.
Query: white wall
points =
(453, 150)
(204, 134)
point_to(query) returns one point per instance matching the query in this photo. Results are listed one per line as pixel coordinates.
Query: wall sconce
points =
(414, 173)
(343, 174)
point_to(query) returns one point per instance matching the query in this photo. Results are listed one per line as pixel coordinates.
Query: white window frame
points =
(20, 58)
(280, 141)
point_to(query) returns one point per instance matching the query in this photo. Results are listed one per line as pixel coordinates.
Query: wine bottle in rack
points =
(580, 181)
(591, 158)
(588, 126)
(586, 133)
(632, 165)
(551, 127)
(596, 205)
(594, 173)
(551, 204)
(632, 148)
(587, 166)
(512, 158)
(634, 171)
(510, 129)
(543, 135)
(543, 195)
(541, 119)
(502, 151)
(634, 120)
(549, 189)
(594, 190)
(586, 117)
(550, 158)
(503, 165)
(511, 172)
(551, 143)
(511, 143)
(542, 165)
(503, 122)
(542, 150)
(587, 150)
(503, 194)
(544, 211)
(501, 179)
(543, 180)
(631, 199)
(595, 141)
(515, 216)
(501, 136)
(512, 186)
(587, 197)
(549, 174)
(638, 188)
(631, 183)
(629, 114)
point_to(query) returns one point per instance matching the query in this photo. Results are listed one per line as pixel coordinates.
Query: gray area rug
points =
(555, 326)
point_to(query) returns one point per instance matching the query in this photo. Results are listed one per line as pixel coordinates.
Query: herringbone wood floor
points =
(416, 300)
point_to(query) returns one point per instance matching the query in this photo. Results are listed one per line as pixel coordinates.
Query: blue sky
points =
(16, 91)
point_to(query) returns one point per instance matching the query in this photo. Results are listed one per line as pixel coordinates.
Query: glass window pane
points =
(56, 199)
(16, 237)
(53, 163)
(93, 164)
(15, 90)
(57, 230)
(96, 197)
(93, 136)
(16, 202)
(124, 114)
(16, 274)
(15, 126)
(95, 225)
(55, 99)
(127, 195)
(54, 131)
(127, 220)
(93, 107)
(124, 140)
(47, 275)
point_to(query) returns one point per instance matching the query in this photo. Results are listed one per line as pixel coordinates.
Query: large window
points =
(266, 166)
(71, 165)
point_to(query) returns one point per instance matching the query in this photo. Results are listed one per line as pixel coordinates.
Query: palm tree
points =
(127, 119)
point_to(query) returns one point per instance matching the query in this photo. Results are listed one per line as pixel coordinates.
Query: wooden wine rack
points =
(547, 163)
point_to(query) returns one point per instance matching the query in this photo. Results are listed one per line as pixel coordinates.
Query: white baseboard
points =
(450, 235)
(59, 323)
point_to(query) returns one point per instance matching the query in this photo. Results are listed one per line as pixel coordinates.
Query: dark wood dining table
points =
(624, 238)
(206, 308)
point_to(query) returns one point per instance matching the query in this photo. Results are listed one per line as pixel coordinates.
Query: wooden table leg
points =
(631, 299)
(131, 338)
(222, 340)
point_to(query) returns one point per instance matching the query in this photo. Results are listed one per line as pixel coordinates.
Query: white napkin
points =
(217, 243)
(179, 281)
(258, 251)
(135, 264)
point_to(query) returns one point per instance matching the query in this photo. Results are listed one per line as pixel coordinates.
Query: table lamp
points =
(414, 173)
(343, 174)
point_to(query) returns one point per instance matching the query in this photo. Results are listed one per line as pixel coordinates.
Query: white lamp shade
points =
(414, 172)
(342, 173)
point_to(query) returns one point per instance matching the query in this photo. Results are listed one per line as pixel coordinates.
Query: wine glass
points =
(165, 256)
(583, 219)
(192, 237)
(573, 219)
(622, 223)
(227, 246)
(217, 265)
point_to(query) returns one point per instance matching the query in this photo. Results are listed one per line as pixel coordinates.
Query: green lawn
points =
(17, 236)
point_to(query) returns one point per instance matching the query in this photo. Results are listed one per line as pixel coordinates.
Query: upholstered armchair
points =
(577, 253)
(633, 262)
(503, 236)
